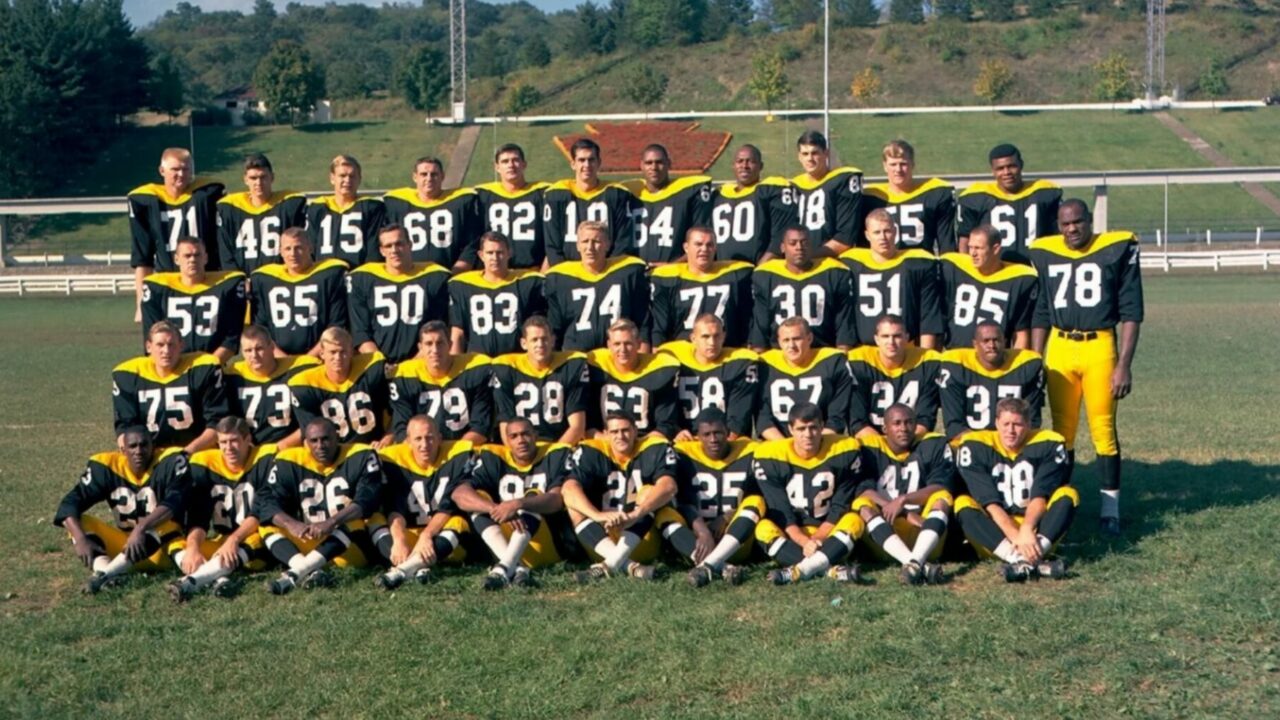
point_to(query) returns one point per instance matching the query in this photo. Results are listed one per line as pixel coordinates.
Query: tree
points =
(1115, 78)
(866, 86)
(288, 81)
(645, 85)
(959, 9)
(424, 79)
(726, 17)
(1213, 81)
(906, 11)
(522, 98)
(792, 13)
(995, 79)
(856, 13)
(165, 91)
(650, 23)
(995, 10)
(768, 79)
(1042, 8)
(534, 53)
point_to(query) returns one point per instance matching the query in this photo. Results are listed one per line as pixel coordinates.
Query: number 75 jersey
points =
(995, 476)
(1090, 289)
(174, 409)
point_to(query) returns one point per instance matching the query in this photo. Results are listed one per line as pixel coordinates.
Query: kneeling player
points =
(144, 491)
(1019, 503)
(905, 496)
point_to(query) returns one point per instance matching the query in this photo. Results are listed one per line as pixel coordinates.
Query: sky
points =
(142, 12)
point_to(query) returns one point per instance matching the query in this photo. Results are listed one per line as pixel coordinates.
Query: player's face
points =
(510, 168)
(190, 258)
(882, 236)
(707, 339)
(496, 258)
(258, 182)
(429, 179)
(434, 348)
(1013, 430)
(586, 166)
(814, 160)
(539, 343)
(984, 253)
(164, 349)
(423, 440)
(295, 252)
(395, 249)
(656, 168)
(747, 167)
(235, 448)
(714, 437)
(806, 437)
(593, 246)
(176, 173)
(700, 248)
(521, 440)
(899, 430)
(1008, 173)
(624, 348)
(336, 357)
(622, 436)
(892, 341)
(137, 449)
(321, 440)
(795, 341)
(257, 353)
(900, 171)
(795, 248)
(988, 343)
(345, 180)
(1075, 225)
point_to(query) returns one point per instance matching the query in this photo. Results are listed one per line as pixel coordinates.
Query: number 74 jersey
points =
(995, 476)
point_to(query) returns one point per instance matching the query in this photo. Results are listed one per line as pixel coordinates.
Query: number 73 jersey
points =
(265, 401)
(1089, 289)
(175, 409)
(995, 476)
(304, 489)
(808, 491)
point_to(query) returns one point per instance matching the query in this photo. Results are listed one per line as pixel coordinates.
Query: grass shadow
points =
(320, 128)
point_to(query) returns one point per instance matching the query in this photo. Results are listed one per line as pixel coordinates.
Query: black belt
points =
(1076, 335)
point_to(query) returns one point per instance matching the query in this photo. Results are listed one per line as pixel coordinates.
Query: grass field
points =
(1177, 619)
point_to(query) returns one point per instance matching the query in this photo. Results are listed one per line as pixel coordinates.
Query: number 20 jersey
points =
(390, 309)
(546, 398)
(221, 499)
(266, 401)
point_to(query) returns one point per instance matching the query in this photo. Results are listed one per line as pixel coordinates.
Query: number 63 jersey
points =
(996, 476)
(304, 489)
(808, 491)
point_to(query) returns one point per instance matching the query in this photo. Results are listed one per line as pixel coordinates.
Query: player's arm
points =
(575, 499)
(927, 402)
(660, 493)
(741, 403)
(770, 478)
(91, 489)
(457, 318)
(848, 206)
(638, 287)
(766, 424)
(844, 299)
(226, 235)
(553, 230)
(142, 251)
(336, 297)
(577, 429)
(970, 217)
(231, 313)
(400, 400)
(1034, 394)
(951, 395)
(839, 410)
(151, 305)
(124, 402)
(666, 411)
(557, 316)
(1131, 311)
(1025, 316)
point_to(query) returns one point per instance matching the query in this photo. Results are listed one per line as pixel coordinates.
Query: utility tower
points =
(1155, 85)
(458, 59)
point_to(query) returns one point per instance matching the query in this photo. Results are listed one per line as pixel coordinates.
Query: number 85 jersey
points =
(995, 476)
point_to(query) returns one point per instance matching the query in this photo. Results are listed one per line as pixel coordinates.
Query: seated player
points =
(452, 390)
(258, 388)
(513, 206)
(311, 510)
(1021, 211)
(512, 494)
(897, 282)
(972, 380)
(300, 299)
(585, 297)
(699, 285)
(892, 372)
(345, 225)
(487, 306)
(618, 491)
(798, 284)
(638, 383)
(906, 495)
(545, 387)
(250, 222)
(808, 481)
(1019, 502)
(442, 225)
(800, 373)
(713, 376)
(668, 208)
(222, 532)
(389, 302)
(178, 397)
(980, 287)
(718, 498)
(925, 212)
(145, 491)
(207, 307)
(750, 214)
(419, 525)
(828, 201)
(347, 389)
(582, 198)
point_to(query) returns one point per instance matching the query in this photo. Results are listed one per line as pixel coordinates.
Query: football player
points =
(347, 389)
(799, 373)
(972, 380)
(452, 390)
(178, 397)
(487, 306)
(719, 499)
(543, 386)
(312, 508)
(638, 383)
(1089, 284)
(1021, 211)
(713, 376)
(898, 282)
(512, 206)
(421, 526)
(224, 483)
(808, 481)
(750, 214)
(144, 490)
(207, 306)
(1019, 501)
(298, 300)
(511, 491)
(442, 225)
(585, 297)
(828, 201)
(390, 301)
(700, 284)
(906, 495)
(345, 225)
(980, 286)
(798, 284)
(892, 372)
(925, 212)
(250, 222)
(258, 388)
(584, 197)
(667, 208)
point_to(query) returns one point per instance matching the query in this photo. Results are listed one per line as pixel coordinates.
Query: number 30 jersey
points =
(304, 489)
(175, 409)
(1006, 296)
(822, 295)
(209, 315)
(808, 491)
(995, 476)
(491, 313)
(546, 398)
(416, 492)
(356, 405)
(518, 216)
(1090, 289)
(107, 478)
(296, 309)
(458, 401)
(249, 235)
(221, 499)
(712, 489)
(266, 401)
(389, 309)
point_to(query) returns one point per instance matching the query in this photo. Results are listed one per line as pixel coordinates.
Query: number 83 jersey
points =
(491, 313)
(996, 476)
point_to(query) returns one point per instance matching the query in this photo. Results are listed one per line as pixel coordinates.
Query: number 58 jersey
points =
(995, 476)
(302, 488)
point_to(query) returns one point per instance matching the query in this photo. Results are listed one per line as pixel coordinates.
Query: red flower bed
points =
(692, 150)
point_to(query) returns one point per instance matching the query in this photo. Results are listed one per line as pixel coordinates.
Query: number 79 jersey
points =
(108, 478)
(581, 305)
(265, 401)
(174, 409)
(416, 492)
(356, 405)
(808, 491)
(305, 490)
(712, 489)
(389, 309)
(546, 398)
(1020, 217)
(1090, 289)
(517, 215)
(995, 476)
(221, 499)
(459, 401)
(1007, 296)
(249, 235)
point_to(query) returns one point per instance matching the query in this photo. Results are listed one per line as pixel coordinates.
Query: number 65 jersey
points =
(995, 476)
(302, 488)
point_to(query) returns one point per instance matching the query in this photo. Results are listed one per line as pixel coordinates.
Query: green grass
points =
(1176, 620)
(1245, 136)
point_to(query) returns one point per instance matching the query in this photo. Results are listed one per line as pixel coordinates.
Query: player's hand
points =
(84, 550)
(1121, 382)
(426, 551)
(684, 436)
(399, 552)
(135, 548)
(612, 520)
(915, 519)
(505, 512)
(228, 555)
(390, 368)
(1028, 545)
(812, 547)
(702, 545)
(192, 559)
(893, 508)
(517, 525)
(383, 441)
(629, 519)
(137, 315)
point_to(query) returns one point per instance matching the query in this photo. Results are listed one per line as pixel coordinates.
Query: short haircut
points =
(519, 420)
(1078, 203)
(296, 232)
(899, 150)
(493, 236)
(189, 240)
(814, 138)
(257, 161)
(162, 327)
(137, 429)
(180, 154)
(620, 415)
(709, 318)
(1017, 406)
(987, 323)
(593, 226)
(710, 416)
(804, 412)
(1004, 150)
(623, 325)
(583, 144)
(890, 319)
(655, 147)
(796, 321)
(334, 335)
(536, 321)
(392, 228)
(989, 232)
(795, 229)
(233, 424)
(755, 152)
(897, 408)
(345, 161)
(322, 422)
(431, 328)
(881, 215)
(256, 332)
(508, 148)
(699, 229)
(423, 419)
(428, 160)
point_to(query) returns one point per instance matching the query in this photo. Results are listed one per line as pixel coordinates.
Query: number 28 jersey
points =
(221, 499)
(546, 398)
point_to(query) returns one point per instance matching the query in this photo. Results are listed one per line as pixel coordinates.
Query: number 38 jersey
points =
(581, 305)
(1006, 296)
(296, 309)
(497, 472)
(131, 498)
(1090, 289)
(611, 483)
(729, 384)
(491, 313)
(221, 499)
(518, 216)
(822, 295)
(458, 401)
(304, 489)
(893, 474)
(808, 491)
(876, 386)
(416, 492)
(1020, 217)
(389, 309)
(823, 381)
(995, 476)
(350, 233)
(355, 405)
(209, 315)
(712, 489)
(750, 220)
(249, 235)
(969, 392)
(265, 401)
(546, 398)
(175, 409)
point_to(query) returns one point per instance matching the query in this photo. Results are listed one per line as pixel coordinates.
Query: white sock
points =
(893, 544)
(605, 547)
(515, 550)
(100, 563)
(815, 564)
(1005, 552)
(927, 540)
(211, 570)
(304, 565)
(1045, 544)
(721, 553)
(118, 565)
(410, 566)
(178, 558)
(495, 540)
(622, 550)
(1110, 503)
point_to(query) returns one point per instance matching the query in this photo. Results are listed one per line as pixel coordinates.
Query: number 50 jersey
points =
(390, 309)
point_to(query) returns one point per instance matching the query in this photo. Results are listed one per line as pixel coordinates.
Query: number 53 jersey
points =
(995, 476)
(304, 489)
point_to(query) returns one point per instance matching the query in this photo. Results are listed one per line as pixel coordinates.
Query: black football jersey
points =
(1020, 217)
(969, 392)
(822, 295)
(346, 232)
(1006, 296)
(926, 216)
(492, 313)
(499, 474)
(443, 231)
(459, 401)
(808, 491)
(876, 386)
(750, 220)
(824, 381)
(296, 309)
(357, 405)
(612, 483)
(390, 309)
(928, 463)
(564, 206)
(208, 315)
(156, 221)
(266, 401)
(907, 286)
(712, 489)
(174, 409)
(648, 392)
(1090, 289)
(546, 398)
(730, 384)
(995, 476)
(108, 478)
(249, 235)
(302, 488)
(663, 217)
(830, 207)
(221, 498)
(517, 215)
(416, 492)
(581, 305)
(680, 296)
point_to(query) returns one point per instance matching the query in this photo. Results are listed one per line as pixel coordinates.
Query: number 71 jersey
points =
(156, 221)
(995, 476)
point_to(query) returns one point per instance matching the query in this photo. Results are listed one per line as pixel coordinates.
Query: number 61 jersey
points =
(302, 488)
(995, 476)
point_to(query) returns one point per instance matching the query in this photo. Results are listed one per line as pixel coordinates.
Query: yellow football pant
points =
(902, 527)
(1082, 369)
(113, 541)
(767, 531)
(257, 560)
(541, 551)
(351, 557)
(754, 503)
(455, 523)
(966, 502)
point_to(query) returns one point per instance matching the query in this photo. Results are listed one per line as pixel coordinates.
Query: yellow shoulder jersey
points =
(443, 230)
(389, 309)
(355, 405)
(1007, 296)
(1094, 288)
(906, 285)
(416, 491)
(822, 295)
(581, 304)
(829, 206)
(265, 400)
(458, 401)
(564, 206)
(157, 220)
(175, 407)
(666, 215)
(491, 313)
(876, 386)
(108, 478)
(209, 314)
(926, 215)
(969, 391)
(712, 488)
(499, 474)
(730, 383)
(808, 491)
(1021, 217)
(309, 491)
(929, 461)
(751, 219)
(681, 295)
(517, 214)
(346, 231)
(611, 482)
(296, 309)
(546, 397)
(647, 391)
(994, 474)
(249, 235)
(222, 497)
(824, 381)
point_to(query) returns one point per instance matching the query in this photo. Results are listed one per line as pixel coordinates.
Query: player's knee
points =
(1065, 493)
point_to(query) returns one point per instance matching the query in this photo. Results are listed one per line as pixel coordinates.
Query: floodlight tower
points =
(458, 59)
(1156, 29)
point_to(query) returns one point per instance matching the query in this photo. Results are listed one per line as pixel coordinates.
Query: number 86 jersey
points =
(996, 476)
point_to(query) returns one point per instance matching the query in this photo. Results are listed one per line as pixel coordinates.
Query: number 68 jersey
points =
(304, 489)
(995, 476)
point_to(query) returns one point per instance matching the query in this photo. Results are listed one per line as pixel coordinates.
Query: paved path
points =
(1210, 153)
(461, 157)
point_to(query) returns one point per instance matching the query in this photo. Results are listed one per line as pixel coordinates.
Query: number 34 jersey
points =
(304, 489)
(546, 398)
(356, 405)
(995, 476)
(389, 309)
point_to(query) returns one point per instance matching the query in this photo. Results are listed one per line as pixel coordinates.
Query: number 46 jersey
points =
(995, 476)
(249, 235)
(389, 309)
(546, 398)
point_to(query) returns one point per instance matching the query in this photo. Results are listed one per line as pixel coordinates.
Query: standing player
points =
(637, 383)
(828, 202)
(925, 212)
(972, 380)
(144, 490)
(442, 225)
(512, 206)
(892, 372)
(545, 387)
(1021, 211)
(750, 214)
(980, 287)
(667, 209)
(816, 289)
(250, 222)
(487, 306)
(712, 376)
(585, 297)
(1019, 503)
(345, 225)
(298, 300)
(682, 291)
(389, 302)
(258, 388)
(890, 281)
(208, 307)
(584, 197)
(1089, 284)
(451, 390)
(348, 390)
(798, 373)
(808, 481)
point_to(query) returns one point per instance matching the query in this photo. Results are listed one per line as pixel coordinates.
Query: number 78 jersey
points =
(996, 476)
(1090, 289)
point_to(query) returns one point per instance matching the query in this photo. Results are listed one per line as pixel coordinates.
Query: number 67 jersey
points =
(995, 476)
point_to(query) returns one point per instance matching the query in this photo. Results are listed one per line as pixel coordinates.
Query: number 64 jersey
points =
(995, 476)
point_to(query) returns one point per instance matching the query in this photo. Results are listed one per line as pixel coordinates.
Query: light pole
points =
(826, 69)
